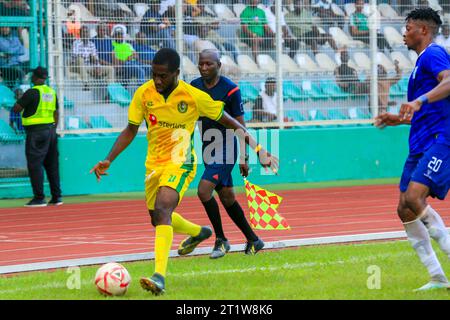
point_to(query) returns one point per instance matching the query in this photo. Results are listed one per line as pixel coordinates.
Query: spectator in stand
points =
(265, 107)
(73, 25)
(301, 23)
(11, 50)
(103, 45)
(125, 58)
(86, 61)
(14, 8)
(359, 27)
(384, 86)
(254, 29)
(347, 77)
(158, 28)
(145, 53)
(289, 41)
(325, 12)
(15, 118)
(443, 39)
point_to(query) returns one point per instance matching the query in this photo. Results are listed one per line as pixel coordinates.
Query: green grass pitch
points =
(378, 270)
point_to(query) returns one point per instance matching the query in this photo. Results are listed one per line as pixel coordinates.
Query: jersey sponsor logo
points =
(182, 107)
(171, 125)
(152, 119)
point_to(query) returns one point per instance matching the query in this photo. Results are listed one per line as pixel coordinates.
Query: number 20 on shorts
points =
(434, 164)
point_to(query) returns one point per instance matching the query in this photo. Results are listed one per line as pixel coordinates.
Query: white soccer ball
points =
(112, 279)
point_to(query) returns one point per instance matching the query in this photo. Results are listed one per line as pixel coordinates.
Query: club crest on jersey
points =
(152, 119)
(149, 104)
(182, 107)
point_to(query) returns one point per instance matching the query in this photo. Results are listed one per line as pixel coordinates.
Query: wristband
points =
(258, 148)
(423, 99)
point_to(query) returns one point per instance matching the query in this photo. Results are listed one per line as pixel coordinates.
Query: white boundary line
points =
(200, 251)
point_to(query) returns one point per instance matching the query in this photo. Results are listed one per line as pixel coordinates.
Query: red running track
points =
(75, 231)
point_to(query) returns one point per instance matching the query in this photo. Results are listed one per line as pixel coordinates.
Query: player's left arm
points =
(439, 65)
(212, 109)
(265, 158)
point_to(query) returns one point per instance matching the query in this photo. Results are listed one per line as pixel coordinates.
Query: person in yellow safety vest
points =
(39, 109)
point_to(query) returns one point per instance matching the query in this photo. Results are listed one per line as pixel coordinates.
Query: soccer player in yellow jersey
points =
(170, 108)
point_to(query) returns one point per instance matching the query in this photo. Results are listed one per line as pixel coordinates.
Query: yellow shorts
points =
(177, 178)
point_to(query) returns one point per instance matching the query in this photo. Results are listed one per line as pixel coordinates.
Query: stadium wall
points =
(307, 155)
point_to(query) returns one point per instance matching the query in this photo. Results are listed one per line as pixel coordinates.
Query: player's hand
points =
(387, 119)
(100, 169)
(407, 109)
(243, 167)
(268, 161)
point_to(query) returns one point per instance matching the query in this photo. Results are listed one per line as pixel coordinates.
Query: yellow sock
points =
(181, 225)
(163, 242)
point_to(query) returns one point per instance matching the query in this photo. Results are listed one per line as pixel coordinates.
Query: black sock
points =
(237, 215)
(212, 209)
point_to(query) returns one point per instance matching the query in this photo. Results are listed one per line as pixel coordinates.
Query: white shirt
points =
(269, 103)
(271, 19)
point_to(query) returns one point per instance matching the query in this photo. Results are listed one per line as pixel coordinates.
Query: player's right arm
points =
(135, 118)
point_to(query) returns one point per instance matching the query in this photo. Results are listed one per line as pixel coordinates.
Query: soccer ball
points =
(112, 279)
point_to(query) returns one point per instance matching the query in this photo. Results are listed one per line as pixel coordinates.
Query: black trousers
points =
(41, 151)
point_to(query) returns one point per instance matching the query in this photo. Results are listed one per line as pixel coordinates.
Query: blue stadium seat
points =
(333, 90)
(7, 98)
(396, 91)
(248, 91)
(118, 94)
(358, 113)
(315, 115)
(403, 84)
(7, 134)
(248, 115)
(75, 123)
(100, 122)
(295, 115)
(293, 92)
(68, 104)
(336, 114)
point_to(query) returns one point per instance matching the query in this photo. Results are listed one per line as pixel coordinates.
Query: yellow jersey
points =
(171, 122)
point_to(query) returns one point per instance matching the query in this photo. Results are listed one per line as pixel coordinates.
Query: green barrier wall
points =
(307, 155)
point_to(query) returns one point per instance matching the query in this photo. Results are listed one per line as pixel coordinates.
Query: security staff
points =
(39, 107)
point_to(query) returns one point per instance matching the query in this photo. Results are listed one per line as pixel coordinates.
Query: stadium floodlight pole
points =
(59, 64)
(179, 32)
(279, 71)
(373, 26)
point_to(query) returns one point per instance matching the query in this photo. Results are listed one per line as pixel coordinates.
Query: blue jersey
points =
(431, 124)
(227, 91)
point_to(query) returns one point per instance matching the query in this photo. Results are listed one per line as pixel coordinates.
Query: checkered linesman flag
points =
(263, 207)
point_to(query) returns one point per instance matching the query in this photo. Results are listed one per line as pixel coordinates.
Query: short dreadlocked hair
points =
(169, 57)
(427, 15)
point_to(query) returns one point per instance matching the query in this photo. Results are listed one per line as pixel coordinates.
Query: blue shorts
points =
(431, 168)
(219, 174)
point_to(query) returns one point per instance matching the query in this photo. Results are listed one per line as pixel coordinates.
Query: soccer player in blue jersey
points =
(427, 168)
(219, 161)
